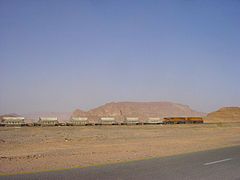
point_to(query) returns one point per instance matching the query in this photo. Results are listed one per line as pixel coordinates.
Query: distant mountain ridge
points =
(140, 109)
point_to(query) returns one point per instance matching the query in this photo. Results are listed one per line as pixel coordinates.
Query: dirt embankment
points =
(30, 149)
(224, 115)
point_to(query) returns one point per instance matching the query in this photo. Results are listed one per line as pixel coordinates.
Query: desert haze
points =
(85, 83)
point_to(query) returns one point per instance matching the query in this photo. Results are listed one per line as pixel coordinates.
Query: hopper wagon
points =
(108, 121)
(12, 121)
(132, 121)
(78, 121)
(153, 120)
(48, 121)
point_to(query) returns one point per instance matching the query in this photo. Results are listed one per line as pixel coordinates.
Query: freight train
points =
(84, 121)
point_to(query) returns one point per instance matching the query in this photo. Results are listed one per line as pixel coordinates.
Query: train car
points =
(78, 121)
(183, 120)
(132, 121)
(47, 121)
(153, 120)
(174, 120)
(12, 121)
(108, 121)
(194, 120)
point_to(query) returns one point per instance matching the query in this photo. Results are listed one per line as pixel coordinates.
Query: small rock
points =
(2, 141)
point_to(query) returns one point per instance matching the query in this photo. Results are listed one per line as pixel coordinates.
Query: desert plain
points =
(33, 149)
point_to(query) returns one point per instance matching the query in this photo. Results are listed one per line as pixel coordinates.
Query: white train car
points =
(132, 121)
(108, 121)
(153, 120)
(12, 121)
(48, 121)
(78, 121)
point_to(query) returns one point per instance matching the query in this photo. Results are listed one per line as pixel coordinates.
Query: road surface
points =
(214, 164)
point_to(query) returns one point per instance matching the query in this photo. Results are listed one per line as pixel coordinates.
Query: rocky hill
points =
(226, 114)
(79, 113)
(140, 109)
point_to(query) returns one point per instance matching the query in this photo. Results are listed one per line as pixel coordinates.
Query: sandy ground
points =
(30, 149)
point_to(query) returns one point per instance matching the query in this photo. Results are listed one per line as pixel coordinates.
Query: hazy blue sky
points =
(61, 55)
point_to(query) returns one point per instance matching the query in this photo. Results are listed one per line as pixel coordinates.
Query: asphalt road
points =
(215, 164)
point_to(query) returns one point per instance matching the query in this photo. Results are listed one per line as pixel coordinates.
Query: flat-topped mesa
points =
(141, 109)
